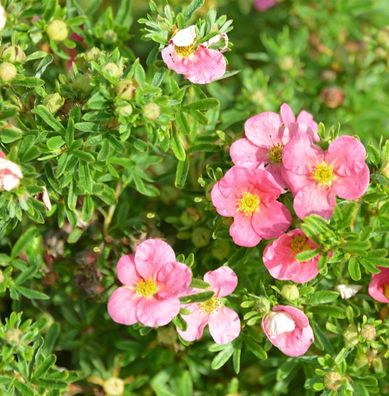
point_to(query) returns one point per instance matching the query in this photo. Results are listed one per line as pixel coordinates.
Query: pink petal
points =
(224, 325)
(287, 114)
(271, 221)
(122, 306)
(298, 316)
(377, 284)
(265, 185)
(243, 153)
(173, 279)
(154, 313)
(196, 322)
(347, 155)
(242, 232)
(294, 181)
(306, 118)
(126, 270)
(236, 181)
(263, 5)
(10, 167)
(313, 199)
(206, 65)
(224, 206)
(223, 281)
(263, 129)
(174, 61)
(276, 171)
(300, 155)
(352, 187)
(150, 255)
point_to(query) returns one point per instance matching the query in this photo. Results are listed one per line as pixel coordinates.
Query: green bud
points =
(125, 89)
(290, 292)
(333, 380)
(110, 36)
(113, 386)
(7, 71)
(368, 332)
(350, 336)
(113, 70)
(82, 83)
(201, 236)
(262, 305)
(13, 54)
(152, 111)
(124, 111)
(13, 336)
(93, 54)
(54, 102)
(57, 30)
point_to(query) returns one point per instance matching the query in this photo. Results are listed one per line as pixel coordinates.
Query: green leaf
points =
(354, 269)
(322, 297)
(178, 146)
(55, 143)
(23, 241)
(185, 385)
(222, 357)
(307, 255)
(237, 345)
(201, 105)
(32, 294)
(200, 297)
(199, 284)
(192, 8)
(182, 173)
(44, 366)
(255, 348)
(42, 112)
(123, 16)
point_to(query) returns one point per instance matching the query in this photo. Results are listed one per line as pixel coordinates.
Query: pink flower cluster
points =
(153, 282)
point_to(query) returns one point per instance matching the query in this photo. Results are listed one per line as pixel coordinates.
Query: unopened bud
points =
(152, 111)
(92, 54)
(125, 89)
(110, 36)
(201, 236)
(7, 71)
(333, 97)
(113, 386)
(13, 336)
(125, 110)
(262, 305)
(290, 292)
(351, 336)
(54, 102)
(113, 70)
(57, 30)
(369, 332)
(333, 380)
(13, 54)
(286, 63)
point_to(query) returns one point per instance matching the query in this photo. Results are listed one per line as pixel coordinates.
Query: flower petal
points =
(377, 284)
(153, 312)
(271, 221)
(352, 187)
(263, 129)
(242, 232)
(122, 306)
(174, 61)
(224, 325)
(126, 270)
(287, 114)
(173, 279)
(223, 281)
(185, 37)
(224, 206)
(294, 181)
(196, 322)
(306, 119)
(244, 153)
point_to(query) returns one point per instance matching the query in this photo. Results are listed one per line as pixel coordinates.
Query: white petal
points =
(347, 291)
(185, 37)
(3, 18)
(10, 182)
(280, 323)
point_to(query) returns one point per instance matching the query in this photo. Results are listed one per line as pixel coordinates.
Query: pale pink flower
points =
(10, 174)
(264, 5)
(266, 136)
(288, 329)
(152, 282)
(379, 285)
(279, 258)
(198, 63)
(250, 197)
(223, 322)
(316, 177)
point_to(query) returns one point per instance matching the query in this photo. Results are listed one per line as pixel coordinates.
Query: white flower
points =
(46, 199)
(185, 37)
(280, 323)
(347, 291)
(3, 18)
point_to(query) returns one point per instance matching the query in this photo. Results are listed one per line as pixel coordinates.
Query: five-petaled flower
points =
(288, 329)
(250, 197)
(279, 258)
(197, 62)
(152, 282)
(266, 136)
(379, 285)
(223, 322)
(316, 177)
(10, 174)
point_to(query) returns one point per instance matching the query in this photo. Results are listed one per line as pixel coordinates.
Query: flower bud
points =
(368, 332)
(13, 336)
(113, 70)
(113, 386)
(7, 71)
(125, 89)
(13, 54)
(351, 336)
(201, 236)
(93, 54)
(110, 36)
(333, 380)
(57, 30)
(124, 111)
(286, 63)
(262, 305)
(290, 292)
(152, 111)
(54, 102)
(333, 97)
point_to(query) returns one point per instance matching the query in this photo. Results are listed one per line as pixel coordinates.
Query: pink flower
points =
(250, 197)
(264, 5)
(288, 329)
(153, 282)
(10, 174)
(224, 323)
(198, 63)
(266, 136)
(379, 286)
(279, 258)
(316, 177)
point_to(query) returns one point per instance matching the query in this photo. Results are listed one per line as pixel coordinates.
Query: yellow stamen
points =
(299, 244)
(248, 204)
(210, 305)
(146, 288)
(386, 291)
(185, 51)
(275, 154)
(323, 174)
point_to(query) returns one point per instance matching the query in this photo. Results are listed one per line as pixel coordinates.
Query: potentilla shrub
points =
(175, 218)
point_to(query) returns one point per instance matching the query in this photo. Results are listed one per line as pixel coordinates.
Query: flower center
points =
(248, 204)
(386, 291)
(275, 154)
(280, 323)
(323, 174)
(299, 243)
(146, 288)
(210, 305)
(185, 51)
